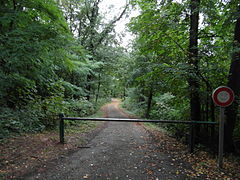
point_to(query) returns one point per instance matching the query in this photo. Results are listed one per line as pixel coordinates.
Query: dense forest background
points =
(64, 56)
(56, 56)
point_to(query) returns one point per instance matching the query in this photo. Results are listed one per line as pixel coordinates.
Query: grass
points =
(75, 127)
(82, 127)
(122, 106)
(154, 126)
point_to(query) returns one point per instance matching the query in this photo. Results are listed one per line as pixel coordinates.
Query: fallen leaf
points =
(85, 177)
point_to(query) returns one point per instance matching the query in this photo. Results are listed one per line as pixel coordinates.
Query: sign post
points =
(221, 138)
(223, 96)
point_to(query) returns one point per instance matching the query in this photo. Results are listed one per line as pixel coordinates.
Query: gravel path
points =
(120, 151)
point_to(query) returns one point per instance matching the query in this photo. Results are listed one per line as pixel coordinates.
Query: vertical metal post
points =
(191, 138)
(221, 138)
(61, 128)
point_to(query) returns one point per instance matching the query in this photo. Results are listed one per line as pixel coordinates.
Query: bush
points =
(19, 121)
(164, 107)
(80, 107)
(132, 102)
(43, 114)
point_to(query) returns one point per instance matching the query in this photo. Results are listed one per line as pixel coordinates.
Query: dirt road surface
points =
(120, 151)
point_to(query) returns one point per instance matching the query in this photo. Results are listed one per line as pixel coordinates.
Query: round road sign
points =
(223, 96)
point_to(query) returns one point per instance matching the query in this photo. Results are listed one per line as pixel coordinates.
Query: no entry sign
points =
(223, 96)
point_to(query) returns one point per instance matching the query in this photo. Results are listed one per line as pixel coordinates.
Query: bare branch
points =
(110, 26)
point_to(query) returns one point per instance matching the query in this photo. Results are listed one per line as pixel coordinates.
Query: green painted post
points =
(61, 128)
(221, 138)
(191, 138)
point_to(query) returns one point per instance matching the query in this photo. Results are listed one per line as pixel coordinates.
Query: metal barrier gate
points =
(191, 123)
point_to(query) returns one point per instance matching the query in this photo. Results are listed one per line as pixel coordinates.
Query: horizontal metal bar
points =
(138, 120)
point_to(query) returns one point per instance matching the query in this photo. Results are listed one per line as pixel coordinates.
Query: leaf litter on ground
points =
(18, 155)
(203, 164)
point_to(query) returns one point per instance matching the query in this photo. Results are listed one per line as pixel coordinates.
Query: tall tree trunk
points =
(149, 103)
(212, 117)
(2, 5)
(195, 106)
(98, 87)
(14, 10)
(124, 92)
(89, 86)
(193, 62)
(234, 84)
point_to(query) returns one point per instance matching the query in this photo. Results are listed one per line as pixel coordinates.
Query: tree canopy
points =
(64, 56)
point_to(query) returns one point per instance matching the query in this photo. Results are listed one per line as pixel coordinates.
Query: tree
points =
(31, 32)
(190, 66)
(92, 32)
(193, 81)
(234, 84)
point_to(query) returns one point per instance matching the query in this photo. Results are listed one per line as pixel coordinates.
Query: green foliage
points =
(132, 102)
(44, 69)
(30, 35)
(43, 114)
(163, 107)
(159, 70)
(80, 108)
(19, 121)
(237, 129)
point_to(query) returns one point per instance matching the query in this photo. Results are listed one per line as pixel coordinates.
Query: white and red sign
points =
(223, 96)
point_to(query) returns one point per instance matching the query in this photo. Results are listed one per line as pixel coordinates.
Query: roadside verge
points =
(23, 154)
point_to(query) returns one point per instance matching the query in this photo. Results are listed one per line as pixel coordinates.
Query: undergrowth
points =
(43, 115)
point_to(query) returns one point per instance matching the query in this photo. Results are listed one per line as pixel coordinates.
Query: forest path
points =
(120, 151)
